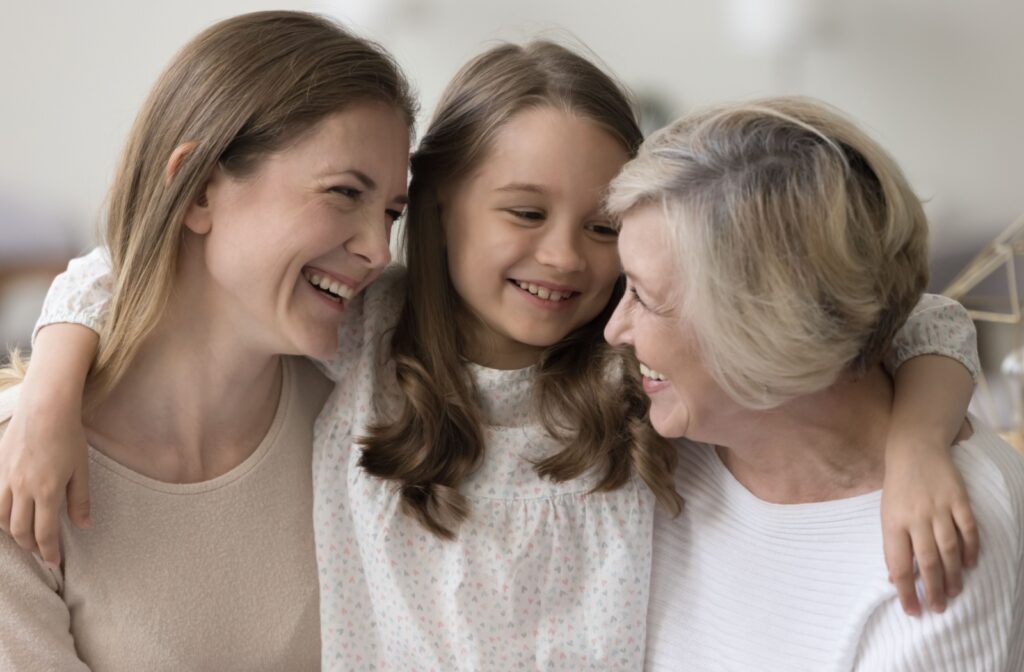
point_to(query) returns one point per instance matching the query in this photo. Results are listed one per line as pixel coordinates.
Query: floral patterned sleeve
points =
(80, 294)
(937, 326)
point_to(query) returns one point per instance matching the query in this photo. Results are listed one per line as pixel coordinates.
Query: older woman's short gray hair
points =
(799, 246)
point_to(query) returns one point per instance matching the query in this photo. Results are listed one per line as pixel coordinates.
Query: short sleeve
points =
(81, 294)
(937, 326)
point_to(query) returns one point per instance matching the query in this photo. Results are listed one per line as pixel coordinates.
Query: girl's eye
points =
(529, 215)
(395, 215)
(603, 229)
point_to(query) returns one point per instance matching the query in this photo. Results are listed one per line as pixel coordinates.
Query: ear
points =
(197, 217)
(177, 158)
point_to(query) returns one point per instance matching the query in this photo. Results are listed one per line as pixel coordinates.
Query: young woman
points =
(237, 182)
(483, 472)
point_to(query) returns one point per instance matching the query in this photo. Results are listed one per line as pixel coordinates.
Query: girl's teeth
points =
(543, 292)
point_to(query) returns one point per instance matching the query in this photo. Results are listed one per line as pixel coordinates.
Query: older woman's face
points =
(649, 319)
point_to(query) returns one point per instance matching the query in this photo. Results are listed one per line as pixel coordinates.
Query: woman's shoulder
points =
(994, 474)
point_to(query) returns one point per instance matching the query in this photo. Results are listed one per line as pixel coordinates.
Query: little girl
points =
(484, 474)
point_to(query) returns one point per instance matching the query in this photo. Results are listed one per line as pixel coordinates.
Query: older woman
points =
(802, 248)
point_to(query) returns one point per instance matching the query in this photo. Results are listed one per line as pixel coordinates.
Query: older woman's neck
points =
(824, 446)
(198, 398)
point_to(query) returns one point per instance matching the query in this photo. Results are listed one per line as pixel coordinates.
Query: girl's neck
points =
(824, 446)
(494, 351)
(197, 399)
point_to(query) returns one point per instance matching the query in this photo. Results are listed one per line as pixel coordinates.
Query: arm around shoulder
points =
(983, 629)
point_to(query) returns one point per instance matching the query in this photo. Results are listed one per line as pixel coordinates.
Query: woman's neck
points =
(196, 401)
(829, 445)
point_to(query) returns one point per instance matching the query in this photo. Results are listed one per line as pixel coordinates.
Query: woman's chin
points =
(671, 423)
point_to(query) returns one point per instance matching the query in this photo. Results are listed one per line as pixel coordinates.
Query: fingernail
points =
(53, 566)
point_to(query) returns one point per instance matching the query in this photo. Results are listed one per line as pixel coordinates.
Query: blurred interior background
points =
(939, 82)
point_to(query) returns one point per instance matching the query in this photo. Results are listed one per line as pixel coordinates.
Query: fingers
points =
(929, 563)
(968, 527)
(947, 540)
(22, 528)
(78, 495)
(47, 530)
(899, 557)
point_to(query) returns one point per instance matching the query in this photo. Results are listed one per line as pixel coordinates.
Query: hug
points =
(621, 404)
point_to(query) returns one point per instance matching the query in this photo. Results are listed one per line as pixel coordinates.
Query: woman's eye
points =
(395, 215)
(636, 297)
(347, 192)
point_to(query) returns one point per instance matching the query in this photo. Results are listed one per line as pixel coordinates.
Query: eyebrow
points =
(523, 186)
(369, 184)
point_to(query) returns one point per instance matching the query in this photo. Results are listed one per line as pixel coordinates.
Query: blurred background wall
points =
(939, 82)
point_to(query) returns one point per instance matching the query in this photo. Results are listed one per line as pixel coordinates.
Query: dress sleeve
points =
(81, 294)
(937, 326)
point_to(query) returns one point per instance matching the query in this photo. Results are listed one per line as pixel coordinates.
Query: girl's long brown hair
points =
(588, 394)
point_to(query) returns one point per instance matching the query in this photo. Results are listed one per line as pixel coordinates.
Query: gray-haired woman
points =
(802, 248)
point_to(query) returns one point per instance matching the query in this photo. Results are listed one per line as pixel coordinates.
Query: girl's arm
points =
(925, 510)
(43, 453)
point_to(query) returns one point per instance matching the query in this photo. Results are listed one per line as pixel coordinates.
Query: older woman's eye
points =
(636, 297)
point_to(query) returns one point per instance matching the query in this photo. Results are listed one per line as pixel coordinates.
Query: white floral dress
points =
(542, 576)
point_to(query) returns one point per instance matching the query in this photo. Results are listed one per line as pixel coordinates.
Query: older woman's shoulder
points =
(994, 474)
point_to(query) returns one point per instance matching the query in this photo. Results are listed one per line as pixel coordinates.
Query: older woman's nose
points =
(618, 330)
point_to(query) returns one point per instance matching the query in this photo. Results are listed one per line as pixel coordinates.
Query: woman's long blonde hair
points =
(245, 87)
(436, 439)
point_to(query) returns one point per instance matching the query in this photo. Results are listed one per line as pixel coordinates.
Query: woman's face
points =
(530, 252)
(287, 247)
(685, 400)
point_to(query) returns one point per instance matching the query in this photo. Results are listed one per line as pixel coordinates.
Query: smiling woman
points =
(774, 252)
(271, 153)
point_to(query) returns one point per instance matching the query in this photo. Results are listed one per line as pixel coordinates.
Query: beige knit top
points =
(218, 575)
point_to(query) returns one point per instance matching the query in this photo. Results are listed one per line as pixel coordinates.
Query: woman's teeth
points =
(544, 292)
(647, 372)
(326, 284)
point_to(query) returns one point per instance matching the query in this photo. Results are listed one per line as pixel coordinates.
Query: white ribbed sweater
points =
(741, 584)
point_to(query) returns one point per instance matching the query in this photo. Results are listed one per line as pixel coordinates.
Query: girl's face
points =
(286, 248)
(530, 252)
